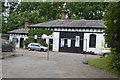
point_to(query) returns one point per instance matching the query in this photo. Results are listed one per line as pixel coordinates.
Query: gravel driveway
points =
(34, 64)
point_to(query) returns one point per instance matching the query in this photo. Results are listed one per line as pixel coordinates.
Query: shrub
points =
(39, 33)
(27, 41)
(112, 33)
(41, 41)
(114, 60)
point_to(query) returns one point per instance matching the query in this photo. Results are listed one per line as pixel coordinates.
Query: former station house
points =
(69, 35)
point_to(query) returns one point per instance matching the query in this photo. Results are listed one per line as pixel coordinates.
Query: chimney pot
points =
(63, 15)
(26, 23)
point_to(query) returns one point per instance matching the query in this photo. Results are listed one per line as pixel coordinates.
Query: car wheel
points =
(45, 50)
(29, 49)
(106, 55)
(42, 49)
(14, 55)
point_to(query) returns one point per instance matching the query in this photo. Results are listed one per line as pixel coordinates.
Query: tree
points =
(16, 20)
(112, 21)
(0, 17)
(7, 9)
(35, 12)
(86, 10)
(49, 10)
(38, 12)
(112, 33)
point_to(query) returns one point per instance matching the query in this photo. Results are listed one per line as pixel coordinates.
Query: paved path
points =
(33, 64)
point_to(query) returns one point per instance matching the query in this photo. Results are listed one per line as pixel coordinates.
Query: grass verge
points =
(103, 64)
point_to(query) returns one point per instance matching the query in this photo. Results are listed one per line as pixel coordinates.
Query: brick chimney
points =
(26, 23)
(63, 15)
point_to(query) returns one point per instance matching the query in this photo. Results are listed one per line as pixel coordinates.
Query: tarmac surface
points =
(34, 64)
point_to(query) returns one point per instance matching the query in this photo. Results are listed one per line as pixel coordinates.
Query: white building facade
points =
(19, 39)
(75, 35)
(68, 35)
(86, 40)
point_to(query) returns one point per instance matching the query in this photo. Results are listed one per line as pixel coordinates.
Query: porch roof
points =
(19, 31)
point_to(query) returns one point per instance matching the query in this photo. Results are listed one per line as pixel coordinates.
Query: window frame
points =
(92, 39)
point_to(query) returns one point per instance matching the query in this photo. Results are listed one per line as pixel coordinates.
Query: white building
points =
(19, 35)
(71, 35)
(75, 35)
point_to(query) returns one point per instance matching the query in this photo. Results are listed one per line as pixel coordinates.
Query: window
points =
(68, 42)
(34, 44)
(37, 45)
(92, 42)
(15, 40)
(62, 43)
(77, 41)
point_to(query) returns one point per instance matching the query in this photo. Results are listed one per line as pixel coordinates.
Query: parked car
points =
(36, 46)
(104, 52)
(6, 46)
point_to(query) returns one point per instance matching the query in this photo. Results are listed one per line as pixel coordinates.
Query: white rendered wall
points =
(18, 36)
(99, 39)
(56, 41)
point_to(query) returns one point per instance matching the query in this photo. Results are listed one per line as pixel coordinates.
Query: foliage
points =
(112, 33)
(26, 42)
(86, 10)
(42, 41)
(115, 60)
(16, 20)
(37, 12)
(112, 21)
(39, 33)
(49, 10)
(0, 17)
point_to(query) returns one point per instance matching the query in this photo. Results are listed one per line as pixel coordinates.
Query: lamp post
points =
(85, 62)
(48, 49)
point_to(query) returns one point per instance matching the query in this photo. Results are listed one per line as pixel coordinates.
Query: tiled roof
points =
(68, 23)
(19, 31)
(71, 23)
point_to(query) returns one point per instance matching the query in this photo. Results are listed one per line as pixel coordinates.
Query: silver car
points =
(37, 47)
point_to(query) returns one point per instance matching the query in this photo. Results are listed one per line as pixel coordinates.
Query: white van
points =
(104, 52)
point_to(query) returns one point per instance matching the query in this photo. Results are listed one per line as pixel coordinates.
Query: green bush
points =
(112, 33)
(39, 33)
(41, 41)
(26, 42)
(114, 60)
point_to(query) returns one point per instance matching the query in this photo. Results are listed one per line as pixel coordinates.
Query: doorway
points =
(21, 42)
(50, 44)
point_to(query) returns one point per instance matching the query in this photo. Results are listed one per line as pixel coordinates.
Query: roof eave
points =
(66, 27)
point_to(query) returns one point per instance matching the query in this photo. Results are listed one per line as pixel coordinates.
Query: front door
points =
(50, 44)
(21, 42)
